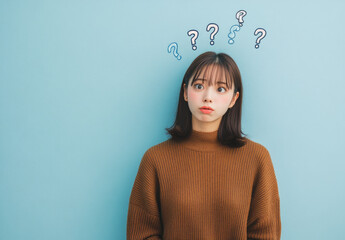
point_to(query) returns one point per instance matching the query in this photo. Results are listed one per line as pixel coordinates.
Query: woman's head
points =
(212, 80)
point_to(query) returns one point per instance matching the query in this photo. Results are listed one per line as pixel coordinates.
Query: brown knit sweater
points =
(200, 189)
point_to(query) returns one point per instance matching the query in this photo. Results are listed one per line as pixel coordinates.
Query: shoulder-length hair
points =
(229, 131)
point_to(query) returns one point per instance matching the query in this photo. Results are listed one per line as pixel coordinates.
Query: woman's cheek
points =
(192, 96)
(225, 100)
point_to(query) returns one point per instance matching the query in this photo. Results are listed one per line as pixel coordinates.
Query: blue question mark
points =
(174, 46)
(232, 34)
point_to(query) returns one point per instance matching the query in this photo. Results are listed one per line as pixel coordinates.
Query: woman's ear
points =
(234, 98)
(185, 92)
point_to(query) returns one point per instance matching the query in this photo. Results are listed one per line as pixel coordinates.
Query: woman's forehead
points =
(212, 74)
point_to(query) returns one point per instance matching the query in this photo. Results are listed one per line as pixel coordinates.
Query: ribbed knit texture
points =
(200, 189)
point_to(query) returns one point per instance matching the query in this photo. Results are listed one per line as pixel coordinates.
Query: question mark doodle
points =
(215, 27)
(174, 46)
(232, 35)
(240, 15)
(263, 34)
(195, 34)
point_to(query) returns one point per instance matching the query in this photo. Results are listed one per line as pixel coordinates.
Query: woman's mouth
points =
(206, 109)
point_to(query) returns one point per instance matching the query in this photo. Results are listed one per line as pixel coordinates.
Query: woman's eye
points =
(223, 88)
(197, 84)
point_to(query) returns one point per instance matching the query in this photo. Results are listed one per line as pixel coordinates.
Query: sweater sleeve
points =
(143, 219)
(264, 221)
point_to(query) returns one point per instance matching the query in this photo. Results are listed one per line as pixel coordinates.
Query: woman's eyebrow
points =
(203, 79)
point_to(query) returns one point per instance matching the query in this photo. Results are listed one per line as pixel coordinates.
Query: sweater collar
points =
(203, 141)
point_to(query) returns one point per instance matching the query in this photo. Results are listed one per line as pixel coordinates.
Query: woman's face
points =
(217, 96)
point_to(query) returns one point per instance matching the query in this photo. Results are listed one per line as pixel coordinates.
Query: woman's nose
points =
(208, 95)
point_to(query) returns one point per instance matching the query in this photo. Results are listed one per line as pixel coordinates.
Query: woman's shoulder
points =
(255, 148)
(256, 145)
(158, 152)
(164, 146)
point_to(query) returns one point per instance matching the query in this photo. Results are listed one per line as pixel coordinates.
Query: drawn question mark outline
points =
(195, 34)
(263, 34)
(173, 45)
(240, 15)
(232, 34)
(215, 31)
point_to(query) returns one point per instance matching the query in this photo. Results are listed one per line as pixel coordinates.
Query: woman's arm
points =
(142, 225)
(143, 220)
(264, 221)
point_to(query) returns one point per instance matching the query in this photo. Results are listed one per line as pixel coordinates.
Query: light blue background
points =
(86, 87)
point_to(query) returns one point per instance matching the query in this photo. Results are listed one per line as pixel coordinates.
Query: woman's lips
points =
(205, 110)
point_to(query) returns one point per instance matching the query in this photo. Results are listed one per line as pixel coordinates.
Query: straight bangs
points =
(213, 72)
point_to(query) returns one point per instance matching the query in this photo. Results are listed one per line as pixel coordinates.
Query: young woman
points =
(206, 181)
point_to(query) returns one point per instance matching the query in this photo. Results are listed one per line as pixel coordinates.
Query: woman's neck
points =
(203, 141)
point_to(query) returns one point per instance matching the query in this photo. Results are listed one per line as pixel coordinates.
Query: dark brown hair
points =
(229, 131)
